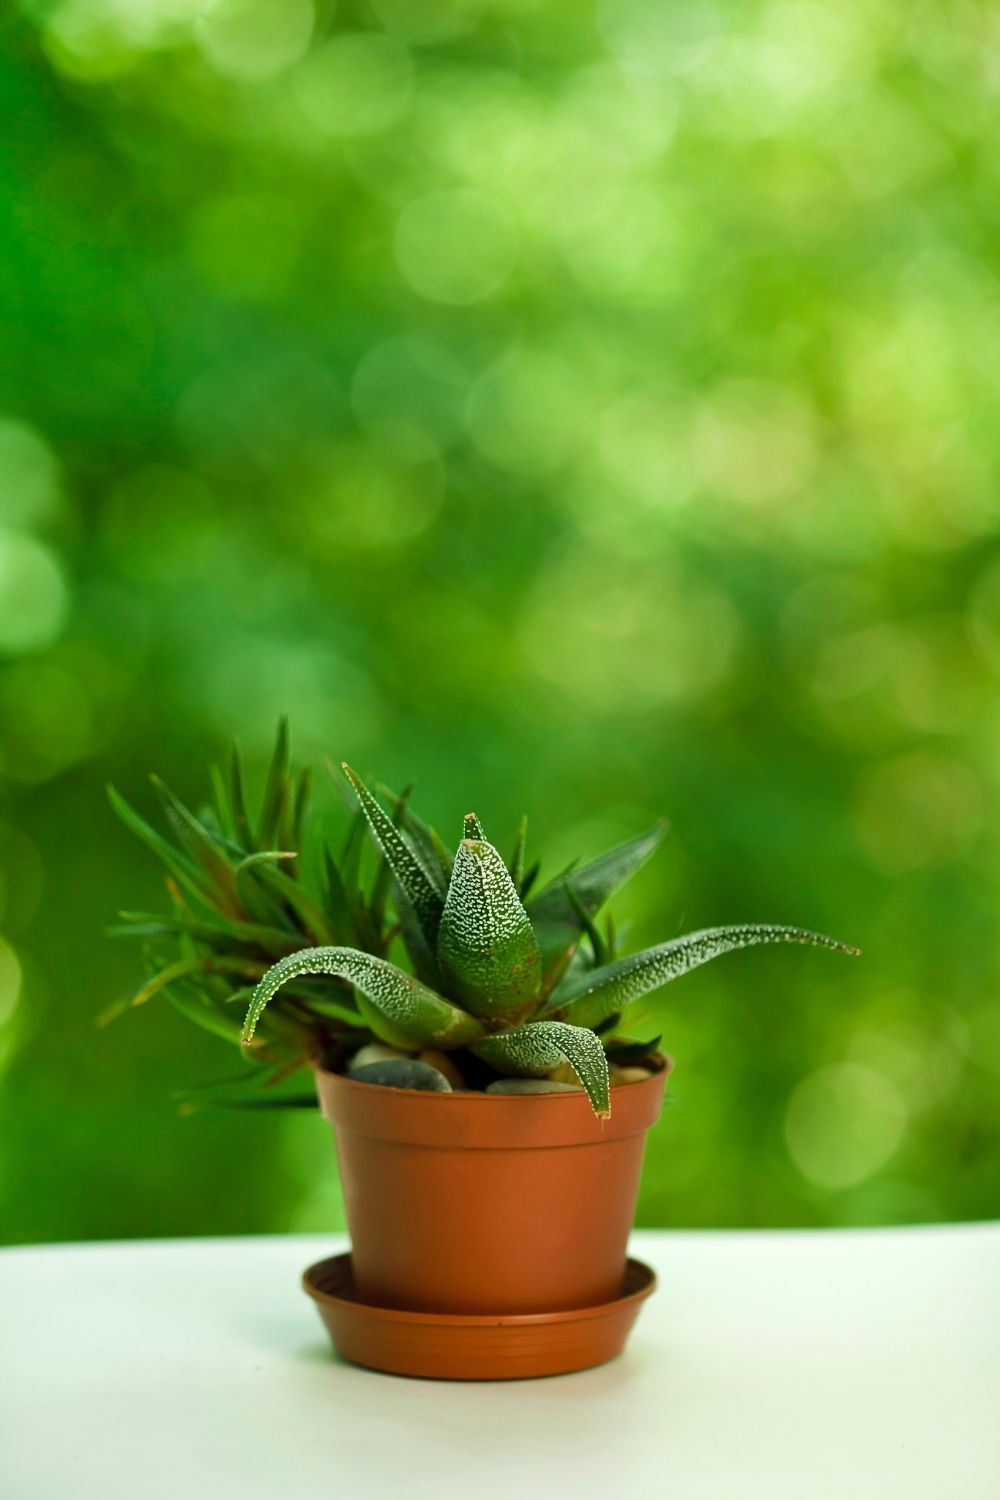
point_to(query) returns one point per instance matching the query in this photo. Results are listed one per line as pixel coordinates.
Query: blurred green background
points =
(587, 409)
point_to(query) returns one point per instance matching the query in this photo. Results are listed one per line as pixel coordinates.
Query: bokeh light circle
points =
(29, 476)
(34, 597)
(457, 246)
(355, 85)
(253, 40)
(842, 1123)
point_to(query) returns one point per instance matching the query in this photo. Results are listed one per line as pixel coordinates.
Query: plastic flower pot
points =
(480, 1204)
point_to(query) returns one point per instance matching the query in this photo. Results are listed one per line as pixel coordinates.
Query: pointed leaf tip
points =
(486, 947)
(473, 828)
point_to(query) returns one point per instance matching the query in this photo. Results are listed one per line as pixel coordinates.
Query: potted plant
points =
(464, 1027)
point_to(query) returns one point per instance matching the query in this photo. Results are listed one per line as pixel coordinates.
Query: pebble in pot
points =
(373, 1052)
(628, 1075)
(444, 1064)
(401, 1073)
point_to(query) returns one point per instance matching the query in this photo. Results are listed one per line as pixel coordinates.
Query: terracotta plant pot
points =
(481, 1203)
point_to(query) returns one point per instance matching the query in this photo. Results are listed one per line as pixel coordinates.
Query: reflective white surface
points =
(794, 1364)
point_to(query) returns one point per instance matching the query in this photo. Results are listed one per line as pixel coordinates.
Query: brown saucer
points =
(453, 1346)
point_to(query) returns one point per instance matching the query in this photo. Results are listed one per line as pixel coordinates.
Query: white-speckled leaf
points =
(397, 1007)
(589, 998)
(473, 828)
(535, 1050)
(421, 880)
(486, 949)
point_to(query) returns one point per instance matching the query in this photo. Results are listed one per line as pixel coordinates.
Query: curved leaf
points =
(486, 948)
(535, 1050)
(397, 1007)
(588, 998)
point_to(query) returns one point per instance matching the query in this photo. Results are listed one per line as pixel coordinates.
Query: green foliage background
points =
(586, 409)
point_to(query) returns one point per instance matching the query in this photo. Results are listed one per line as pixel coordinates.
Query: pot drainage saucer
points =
(459, 1346)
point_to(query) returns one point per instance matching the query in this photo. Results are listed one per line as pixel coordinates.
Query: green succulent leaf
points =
(272, 940)
(531, 875)
(190, 1106)
(237, 797)
(624, 1052)
(382, 884)
(420, 881)
(202, 1012)
(486, 948)
(184, 968)
(223, 805)
(587, 998)
(342, 908)
(262, 870)
(397, 1007)
(472, 828)
(535, 1050)
(419, 951)
(300, 807)
(556, 911)
(517, 858)
(597, 944)
(350, 854)
(425, 839)
(184, 870)
(203, 847)
(276, 791)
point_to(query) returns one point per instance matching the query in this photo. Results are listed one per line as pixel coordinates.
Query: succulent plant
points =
(514, 983)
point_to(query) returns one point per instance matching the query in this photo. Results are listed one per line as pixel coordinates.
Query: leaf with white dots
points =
(420, 880)
(486, 949)
(535, 1050)
(589, 997)
(398, 1008)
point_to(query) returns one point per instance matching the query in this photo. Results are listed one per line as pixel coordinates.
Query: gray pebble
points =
(373, 1052)
(402, 1073)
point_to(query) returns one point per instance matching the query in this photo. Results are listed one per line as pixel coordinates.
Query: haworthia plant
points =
(511, 985)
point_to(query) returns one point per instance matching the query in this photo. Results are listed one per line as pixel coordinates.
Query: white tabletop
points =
(788, 1364)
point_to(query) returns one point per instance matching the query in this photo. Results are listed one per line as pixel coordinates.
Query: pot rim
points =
(472, 1119)
(664, 1067)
